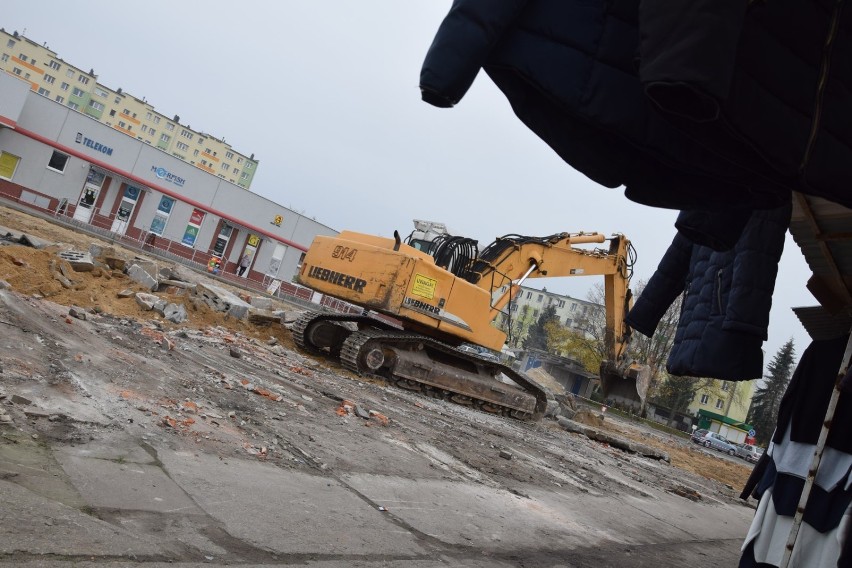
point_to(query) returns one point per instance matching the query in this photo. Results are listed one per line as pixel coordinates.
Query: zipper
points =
(823, 78)
(719, 288)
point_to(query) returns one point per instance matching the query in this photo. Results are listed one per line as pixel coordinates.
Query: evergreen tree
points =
(537, 336)
(763, 413)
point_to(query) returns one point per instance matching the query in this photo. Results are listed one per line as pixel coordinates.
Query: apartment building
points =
(573, 313)
(78, 89)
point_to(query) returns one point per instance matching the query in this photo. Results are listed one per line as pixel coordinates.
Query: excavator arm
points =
(513, 259)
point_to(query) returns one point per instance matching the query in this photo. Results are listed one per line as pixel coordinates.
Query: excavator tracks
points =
(414, 362)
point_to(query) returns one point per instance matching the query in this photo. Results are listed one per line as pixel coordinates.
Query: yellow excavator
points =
(424, 298)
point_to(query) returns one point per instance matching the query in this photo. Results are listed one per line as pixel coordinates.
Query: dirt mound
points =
(33, 272)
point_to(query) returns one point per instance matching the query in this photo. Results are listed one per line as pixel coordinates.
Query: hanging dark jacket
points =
(725, 311)
(570, 70)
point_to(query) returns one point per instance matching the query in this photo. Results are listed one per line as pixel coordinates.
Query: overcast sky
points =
(325, 94)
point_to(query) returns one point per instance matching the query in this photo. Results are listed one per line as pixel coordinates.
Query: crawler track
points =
(414, 362)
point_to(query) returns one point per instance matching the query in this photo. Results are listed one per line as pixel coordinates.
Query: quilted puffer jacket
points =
(728, 295)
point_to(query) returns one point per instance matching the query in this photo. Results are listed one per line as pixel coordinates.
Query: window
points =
(73, 105)
(4, 57)
(165, 138)
(126, 112)
(244, 176)
(149, 116)
(83, 79)
(77, 92)
(156, 120)
(250, 165)
(236, 172)
(182, 146)
(49, 79)
(144, 128)
(195, 153)
(69, 73)
(207, 151)
(535, 314)
(229, 155)
(112, 112)
(17, 71)
(161, 216)
(186, 134)
(43, 92)
(704, 399)
(22, 57)
(726, 386)
(170, 127)
(720, 403)
(100, 92)
(64, 86)
(8, 165)
(239, 160)
(96, 105)
(152, 132)
(568, 322)
(121, 124)
(10, 43)
(225, 167)
(54, 65)
(57, 162)
(27, 76)
(60, 99)
(117, 100)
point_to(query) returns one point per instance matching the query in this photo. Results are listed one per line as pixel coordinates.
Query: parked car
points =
(718, 442)
(749, 453)
(698, 435)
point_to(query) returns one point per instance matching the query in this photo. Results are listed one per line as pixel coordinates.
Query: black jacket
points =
(725, 312)
(571, 70)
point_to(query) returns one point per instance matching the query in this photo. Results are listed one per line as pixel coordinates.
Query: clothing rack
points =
(821, 229)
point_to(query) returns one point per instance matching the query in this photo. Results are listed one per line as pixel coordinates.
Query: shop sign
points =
(192, 228)
(166, 175)
(96, 146)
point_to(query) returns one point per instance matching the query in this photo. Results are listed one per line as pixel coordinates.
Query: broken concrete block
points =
(286, 317)
(175, 283)
(143, 277)
(238, 311)
(78, 313)
(146, 301)
(361, 413)
(126, 293)
(23, 401)
(262, 303)
(221, 300)
(160, 306)
(261, 317)
(31, 241)
(506, 455)
(79, 261)
(235, 352)
(149, 266)
(175, 313)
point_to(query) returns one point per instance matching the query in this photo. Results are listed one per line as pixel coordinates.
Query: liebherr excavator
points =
(439, 293)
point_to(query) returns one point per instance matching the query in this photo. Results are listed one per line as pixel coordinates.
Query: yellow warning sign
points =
(424, 286)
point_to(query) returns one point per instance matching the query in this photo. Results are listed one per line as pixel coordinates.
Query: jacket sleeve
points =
(665, 285)
(461, 46)
(755, 268)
